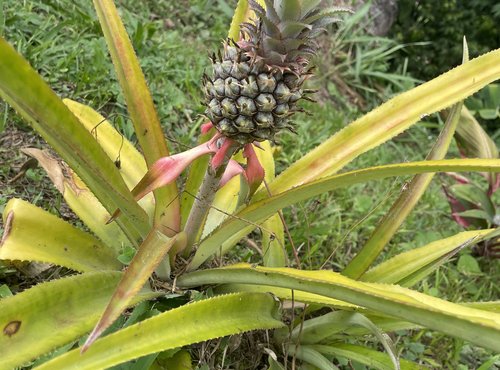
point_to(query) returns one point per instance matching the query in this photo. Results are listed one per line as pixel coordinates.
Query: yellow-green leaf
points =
(235, 228)
(24, 90)
(399, 269)
(140, 106)
(131, 164)
(388, 120)
(80, 199)
(241, 14)
(147, 258)
(364, 355)
(287, 294)
(48, 315)
(32, 234)
(404, 204)
(477, 326)
(192, 323)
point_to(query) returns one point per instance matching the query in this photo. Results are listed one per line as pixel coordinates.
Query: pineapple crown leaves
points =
(285, 30)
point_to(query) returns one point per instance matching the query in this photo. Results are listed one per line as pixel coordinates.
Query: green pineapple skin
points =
(250, 106)
(257, 81)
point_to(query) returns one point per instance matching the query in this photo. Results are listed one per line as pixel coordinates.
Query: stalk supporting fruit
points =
(258, 80)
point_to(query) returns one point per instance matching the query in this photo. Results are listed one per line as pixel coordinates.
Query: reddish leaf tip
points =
(233, 168)
(221, 153)
(206, 127)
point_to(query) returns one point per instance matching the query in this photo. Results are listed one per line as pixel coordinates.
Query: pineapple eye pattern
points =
(256, 82)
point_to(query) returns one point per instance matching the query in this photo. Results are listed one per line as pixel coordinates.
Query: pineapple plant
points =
(367, 298)
(257, 81)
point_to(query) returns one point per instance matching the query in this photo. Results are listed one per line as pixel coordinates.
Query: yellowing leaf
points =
(479, 327)
(32, 234)
(188, 324)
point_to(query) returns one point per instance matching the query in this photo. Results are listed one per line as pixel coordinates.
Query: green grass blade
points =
(366, 356)
(406, 202)
(140, 106)
(33, 99)
(33, 234)
(389, 120)
(192, 323)
(405, 268)
(52, 314)
(477, 326)
(80, 199)
(237, 227)
(148, 257)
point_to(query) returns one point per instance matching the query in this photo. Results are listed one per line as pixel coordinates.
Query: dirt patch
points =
(21, 177)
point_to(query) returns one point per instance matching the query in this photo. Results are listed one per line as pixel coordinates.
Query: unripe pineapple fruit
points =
(258, 80)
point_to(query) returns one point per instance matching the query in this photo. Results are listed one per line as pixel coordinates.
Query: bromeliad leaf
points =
(256, 212)
(366, 356)
(147, 258)
(80, 199)
(388, 120)
(407, 268)
(25, 90)
(480, 327)
(140, 106)
(33, 234)
(127, 158)
(208, 319)
(410, 195)
(72, 305)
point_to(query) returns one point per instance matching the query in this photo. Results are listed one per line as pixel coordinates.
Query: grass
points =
(63, 40)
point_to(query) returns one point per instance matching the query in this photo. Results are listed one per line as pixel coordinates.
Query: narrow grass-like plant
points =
(231, 190)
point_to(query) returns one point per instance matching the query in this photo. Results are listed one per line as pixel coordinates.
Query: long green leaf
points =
(493, 306)
(192, 323)
(273, 234)
(140, 106)
(33, 99)
(315, 330)
(410, 195)
(311, 356)
(32, 234)
(288, 295)
(237, 227)
(405, 265)
(474, 142)
(51, 314)
(366, 356)
(132, 166)
(273, 245)
(148, 257)
(80, 199)
(479, 327)
(388, 120)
